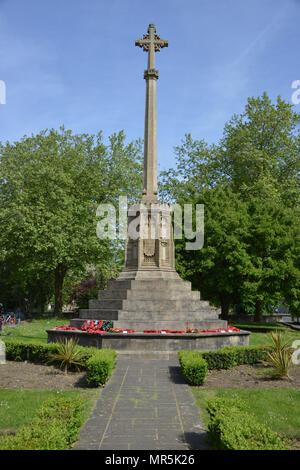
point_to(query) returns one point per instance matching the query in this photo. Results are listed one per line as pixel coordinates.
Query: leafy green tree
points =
(50, 187)
(272, 247)
(23, 288)
(80, 287)
(259, 151)
(258, 154)
(257, 165)
(219, 268)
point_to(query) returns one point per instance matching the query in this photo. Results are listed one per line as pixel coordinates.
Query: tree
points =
(259, 151)
(218, 269)
(260, 157)
(272, 247)
(257, 164)
(24, 288)
(80, 287)
(50, 187)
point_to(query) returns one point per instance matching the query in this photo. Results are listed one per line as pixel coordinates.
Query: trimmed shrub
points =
(228, 357)
(232, 427)
(55, 427)
(194, 367)
(250, 354)
(18, 350)
(224, 358)
(214, 405)
(194, 364)
(100, 366)
(99, 363)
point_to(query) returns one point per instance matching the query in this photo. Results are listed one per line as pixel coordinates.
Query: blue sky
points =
(74, 62)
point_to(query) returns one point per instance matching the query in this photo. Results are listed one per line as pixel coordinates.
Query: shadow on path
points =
(176, 375)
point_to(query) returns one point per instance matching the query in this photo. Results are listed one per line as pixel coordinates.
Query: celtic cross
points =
(150, 43)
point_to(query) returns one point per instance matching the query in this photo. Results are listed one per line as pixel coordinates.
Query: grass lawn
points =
(18, 407)
(277, 408)
(257, 338)
(36, 330)
(33, 330)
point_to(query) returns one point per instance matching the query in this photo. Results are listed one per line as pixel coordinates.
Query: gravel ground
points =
(26, 375)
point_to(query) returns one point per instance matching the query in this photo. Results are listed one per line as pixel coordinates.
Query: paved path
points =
(146, 405)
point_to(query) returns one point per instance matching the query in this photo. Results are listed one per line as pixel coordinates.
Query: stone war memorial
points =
(154, 312)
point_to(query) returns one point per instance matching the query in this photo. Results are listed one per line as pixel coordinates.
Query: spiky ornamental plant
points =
(68, 354)
(280, 355)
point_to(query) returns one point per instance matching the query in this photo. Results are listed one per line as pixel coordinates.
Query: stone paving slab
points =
(146, 405)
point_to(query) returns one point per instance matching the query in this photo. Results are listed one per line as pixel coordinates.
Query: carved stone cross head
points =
(151, 43)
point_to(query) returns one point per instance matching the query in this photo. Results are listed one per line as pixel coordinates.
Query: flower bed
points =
(165, 331)
(230, 329)
(100, 327)
(95, 327)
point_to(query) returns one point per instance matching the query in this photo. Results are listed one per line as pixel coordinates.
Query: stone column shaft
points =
(150, 43)
(150, 142)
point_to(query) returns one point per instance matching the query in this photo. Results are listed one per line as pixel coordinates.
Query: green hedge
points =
(100, 366)
(224, 358)
(232, 427)
(194, 367)
(228, 357)
(55, 427)
(99, 363)
(18, 350)
(195, 364)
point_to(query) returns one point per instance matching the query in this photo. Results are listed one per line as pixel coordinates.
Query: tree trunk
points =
(59, 276)
(43, 302)
(225, 304)
(258, 311)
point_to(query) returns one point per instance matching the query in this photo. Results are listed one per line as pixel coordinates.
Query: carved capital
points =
(151, 39)
(151, 73)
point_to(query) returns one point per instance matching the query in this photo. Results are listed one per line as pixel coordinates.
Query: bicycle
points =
(10, 319)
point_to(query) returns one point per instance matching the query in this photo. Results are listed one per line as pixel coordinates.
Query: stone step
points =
(170, 325)
(164, 295)
(155, 304)
(177, 324)
(98, 314)
(166, 315)
(113, 294)
(161, 305)
(77, 322)
(150, 273)
(114, 304)
(144, 315)
(152, 284)
(146, 294)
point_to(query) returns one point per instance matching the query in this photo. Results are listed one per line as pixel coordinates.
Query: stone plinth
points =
(149, 249)
(153, 346)
(152, 304)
